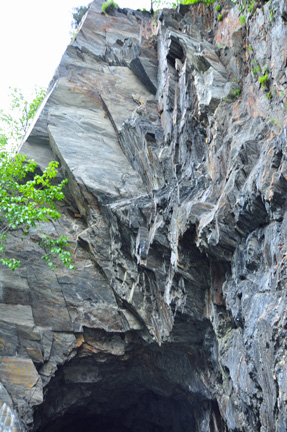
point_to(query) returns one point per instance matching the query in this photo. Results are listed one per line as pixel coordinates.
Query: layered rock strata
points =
(175, 317)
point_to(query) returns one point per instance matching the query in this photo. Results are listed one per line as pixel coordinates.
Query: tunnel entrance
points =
(148, 413)
(79, 422)
(127, 407)
(127, 385)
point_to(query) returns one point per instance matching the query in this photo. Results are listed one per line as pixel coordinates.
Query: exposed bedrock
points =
(175, 317)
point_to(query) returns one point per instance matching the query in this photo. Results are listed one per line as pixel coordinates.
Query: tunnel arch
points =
(144, 389)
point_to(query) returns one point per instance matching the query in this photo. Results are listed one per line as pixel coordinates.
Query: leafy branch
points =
(15, 123)
(27, 199)
(27, 204)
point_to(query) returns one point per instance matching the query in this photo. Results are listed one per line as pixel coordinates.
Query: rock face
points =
(176, 156)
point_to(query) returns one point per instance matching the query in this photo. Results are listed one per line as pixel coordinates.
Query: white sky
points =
(33, 37)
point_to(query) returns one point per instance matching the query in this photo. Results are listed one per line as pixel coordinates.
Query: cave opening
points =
(79, 422)
(136, 389)
(146, 413)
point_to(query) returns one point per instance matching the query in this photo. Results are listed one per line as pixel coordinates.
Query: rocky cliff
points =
(172, 133)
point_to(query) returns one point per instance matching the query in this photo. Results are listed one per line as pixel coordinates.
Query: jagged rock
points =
(175, 317)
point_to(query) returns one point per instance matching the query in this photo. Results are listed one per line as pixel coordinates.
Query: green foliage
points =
(268, 95)
(13, 127)
(256, 70)
(108, 6)
(57, 247)
(236, 92)
(159, 4)
(252, 5)
(78, 14)
(74, 35)
(207, 2)
(250, 48)
(218, 8)
(25, 204)
(27, 199)
(220, 17)
(263, 81)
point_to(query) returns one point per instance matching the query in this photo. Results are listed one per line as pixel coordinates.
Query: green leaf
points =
(27, 203)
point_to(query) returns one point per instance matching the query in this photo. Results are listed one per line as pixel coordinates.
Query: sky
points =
(33, 37)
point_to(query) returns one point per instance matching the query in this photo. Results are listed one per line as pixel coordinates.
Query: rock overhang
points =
(175, 187)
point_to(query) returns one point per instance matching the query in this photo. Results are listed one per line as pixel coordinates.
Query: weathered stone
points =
(20, 378)
(17, 314)
(146, 71)
(9, 421)
(175, 317)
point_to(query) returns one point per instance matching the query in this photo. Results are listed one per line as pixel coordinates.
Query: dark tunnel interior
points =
(148, 389)
(146, 412)
(79, 422)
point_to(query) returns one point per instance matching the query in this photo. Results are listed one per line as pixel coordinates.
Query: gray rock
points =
(175, 317)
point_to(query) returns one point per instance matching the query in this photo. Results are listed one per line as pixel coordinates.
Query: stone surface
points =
(9, 421)
(175, 317)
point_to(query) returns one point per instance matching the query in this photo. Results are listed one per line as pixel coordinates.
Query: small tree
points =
(15, 123)
(78, 14)
(26, 198)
